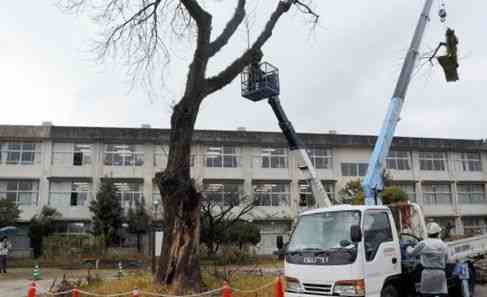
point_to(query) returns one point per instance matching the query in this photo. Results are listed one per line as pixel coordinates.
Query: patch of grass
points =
(144, 282)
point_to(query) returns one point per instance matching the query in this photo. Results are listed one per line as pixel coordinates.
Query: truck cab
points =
(343, 251)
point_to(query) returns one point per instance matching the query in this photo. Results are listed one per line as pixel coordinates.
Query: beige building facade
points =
(62, 167)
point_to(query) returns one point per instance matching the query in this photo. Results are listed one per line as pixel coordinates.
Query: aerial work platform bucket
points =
(260, 81)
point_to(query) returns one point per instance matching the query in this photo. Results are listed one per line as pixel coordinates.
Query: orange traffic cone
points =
(75, 293)
(31, 292)
(278, 288)
(227, 291)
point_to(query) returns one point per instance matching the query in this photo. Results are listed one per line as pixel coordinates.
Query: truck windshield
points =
(324, 234)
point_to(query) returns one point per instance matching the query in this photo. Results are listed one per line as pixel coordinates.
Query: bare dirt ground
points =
(17, 280)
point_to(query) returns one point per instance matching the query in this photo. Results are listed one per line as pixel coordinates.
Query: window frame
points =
(395, 161)
(6, 153)
(469, 164)
(74, 192)
(279, 160)
(122, 193)
(127, 155)
(306, 192)
(218, 152)
(429, 161)
(318, 159)
(356, 169)
(272, 196)
(466, 194)
(33, 192)
(436, 194)
(225, 196)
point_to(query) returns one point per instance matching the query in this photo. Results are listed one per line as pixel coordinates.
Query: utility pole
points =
(373, 181)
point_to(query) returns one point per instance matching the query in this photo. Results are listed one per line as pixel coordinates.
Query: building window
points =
(408, 188)
(222, 156)
(22, 193)
(274, 158)
(64, 194)
(123, 155)
(81, 154)
(223, 193)
(71, 154)
(432, 161)
(306, 198)
(271, 194)
(18, 153)
(354, 169)
(445, 222)
(471, 193)
(437, 193)
(320, 157)
(470, 162)
(130, 193)
(398, 160)
(474, 226)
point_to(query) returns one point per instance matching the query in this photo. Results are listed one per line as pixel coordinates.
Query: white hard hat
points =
(433, 228)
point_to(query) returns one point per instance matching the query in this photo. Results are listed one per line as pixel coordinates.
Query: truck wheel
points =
(389, 291)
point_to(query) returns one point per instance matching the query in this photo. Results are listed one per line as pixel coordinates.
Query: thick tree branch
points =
(196, 12)
(230, 28)
(236, 67)
(197, 69)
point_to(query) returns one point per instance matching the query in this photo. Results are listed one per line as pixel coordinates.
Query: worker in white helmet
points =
(434, 254)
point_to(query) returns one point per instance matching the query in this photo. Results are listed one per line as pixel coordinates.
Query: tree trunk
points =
(179, 267)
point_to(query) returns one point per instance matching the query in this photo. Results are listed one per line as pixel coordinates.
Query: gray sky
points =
(338, 77)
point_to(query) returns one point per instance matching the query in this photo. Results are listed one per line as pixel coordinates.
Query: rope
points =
(254, 290)
(195, 295)
(100, 295)
(81, 292)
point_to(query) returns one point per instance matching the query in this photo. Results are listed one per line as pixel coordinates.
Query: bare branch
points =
(236, 67)
(230, 29)
(305, 8)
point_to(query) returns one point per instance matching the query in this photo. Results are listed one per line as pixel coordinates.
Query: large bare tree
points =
(139, 31)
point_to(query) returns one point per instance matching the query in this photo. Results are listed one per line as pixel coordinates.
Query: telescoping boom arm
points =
(295, 145)
(373, 182)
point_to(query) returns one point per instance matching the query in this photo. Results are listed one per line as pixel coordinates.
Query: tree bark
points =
(179, 267)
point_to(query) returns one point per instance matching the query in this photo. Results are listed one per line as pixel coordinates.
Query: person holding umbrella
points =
(5, 247)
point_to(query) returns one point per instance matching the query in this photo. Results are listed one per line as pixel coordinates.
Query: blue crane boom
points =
(373, 182)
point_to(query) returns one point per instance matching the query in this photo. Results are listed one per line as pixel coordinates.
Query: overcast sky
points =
(339, 76)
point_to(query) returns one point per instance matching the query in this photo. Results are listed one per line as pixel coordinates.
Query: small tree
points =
(393, 195)
(41, 226)
(243, 233)
(219, 217)
(9, 213)
(107, 211)
(138, 221)
(352, 192)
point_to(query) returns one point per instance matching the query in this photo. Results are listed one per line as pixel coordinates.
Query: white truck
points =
(347, 250)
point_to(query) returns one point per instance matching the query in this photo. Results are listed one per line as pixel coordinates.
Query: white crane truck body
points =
(323, 258)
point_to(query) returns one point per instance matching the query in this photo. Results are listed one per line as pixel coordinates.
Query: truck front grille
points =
(317, 289)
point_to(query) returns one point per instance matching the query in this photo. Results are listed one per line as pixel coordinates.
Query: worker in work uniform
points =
(434, 255)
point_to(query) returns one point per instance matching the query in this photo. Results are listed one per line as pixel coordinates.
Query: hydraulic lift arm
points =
(373, 182)
(297, 147)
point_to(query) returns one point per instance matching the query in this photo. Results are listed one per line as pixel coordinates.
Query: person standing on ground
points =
(5, 247)
(434, 254)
